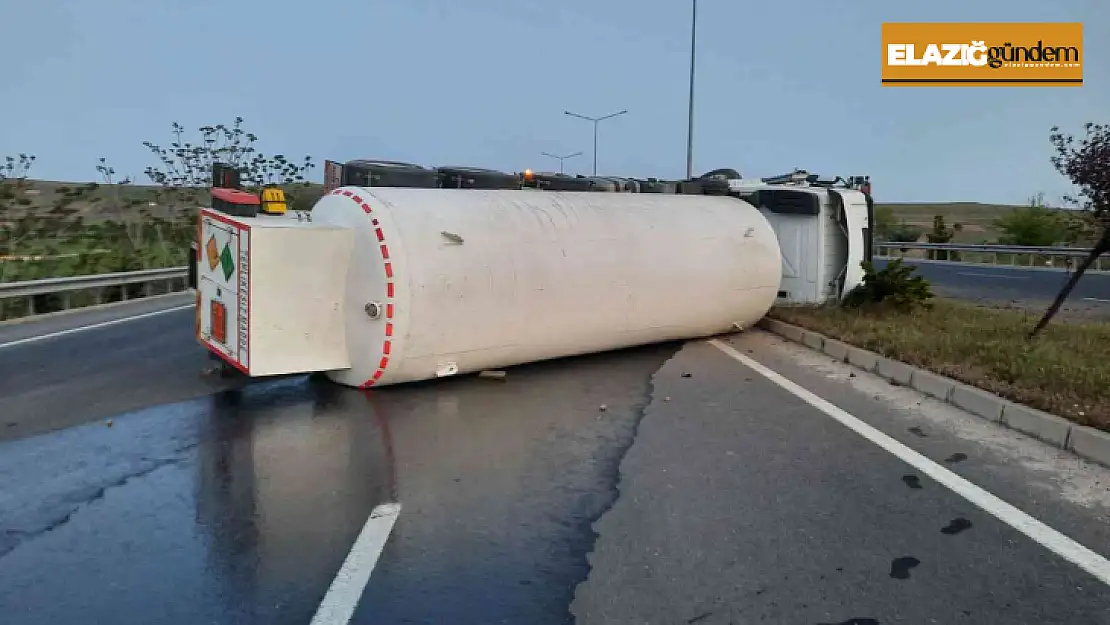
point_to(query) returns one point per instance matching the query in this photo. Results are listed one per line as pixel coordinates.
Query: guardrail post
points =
(51, 293)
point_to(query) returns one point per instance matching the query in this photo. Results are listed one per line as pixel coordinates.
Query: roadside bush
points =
(892, 286)
(1036, 225)
(941, 233)
(903, 233)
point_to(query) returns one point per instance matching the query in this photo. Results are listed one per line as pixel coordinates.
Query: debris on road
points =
(492, 375)
(452, 237)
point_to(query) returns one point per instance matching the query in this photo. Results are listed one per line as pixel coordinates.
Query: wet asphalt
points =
(663, 484)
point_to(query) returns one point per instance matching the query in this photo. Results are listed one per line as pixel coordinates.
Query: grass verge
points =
(1065, 371)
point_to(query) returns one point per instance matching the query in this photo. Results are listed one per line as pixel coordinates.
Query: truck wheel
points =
(379, 173)
(476, 178)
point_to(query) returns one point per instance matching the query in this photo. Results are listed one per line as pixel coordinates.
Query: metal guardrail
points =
(1011, 255)
(30, 290)
(988, 247)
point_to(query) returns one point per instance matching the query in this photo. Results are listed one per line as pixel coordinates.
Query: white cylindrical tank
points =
(447, 281)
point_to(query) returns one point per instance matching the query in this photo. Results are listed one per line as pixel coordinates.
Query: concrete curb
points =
(1083, 441)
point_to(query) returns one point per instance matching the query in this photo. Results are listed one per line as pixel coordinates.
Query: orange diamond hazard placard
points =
(213, 250)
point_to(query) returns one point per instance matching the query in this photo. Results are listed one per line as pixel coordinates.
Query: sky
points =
(485, 82)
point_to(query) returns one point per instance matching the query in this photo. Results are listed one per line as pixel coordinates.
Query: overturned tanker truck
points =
(402, 273)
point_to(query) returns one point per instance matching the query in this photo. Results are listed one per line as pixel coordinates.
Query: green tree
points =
(153, 227)
(895, 286)
(940, 233)
(184, 170)
(1034, 225)
(1086, 163)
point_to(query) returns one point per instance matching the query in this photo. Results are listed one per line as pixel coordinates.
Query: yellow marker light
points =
(273, 200)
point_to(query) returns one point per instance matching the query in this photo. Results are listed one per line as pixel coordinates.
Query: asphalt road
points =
(1012, 284)
(665, 484)
(101, 372)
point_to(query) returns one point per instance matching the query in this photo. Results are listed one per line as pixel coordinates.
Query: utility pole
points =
(596, 121)
(690, 120)
(561, 158)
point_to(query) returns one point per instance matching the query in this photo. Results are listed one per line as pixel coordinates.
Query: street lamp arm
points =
(612, 115)
(589, 119)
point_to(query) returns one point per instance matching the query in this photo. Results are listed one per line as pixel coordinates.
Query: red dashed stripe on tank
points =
(390, 290)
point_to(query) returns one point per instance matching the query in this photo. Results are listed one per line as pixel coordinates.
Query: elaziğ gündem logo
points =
(990, 54)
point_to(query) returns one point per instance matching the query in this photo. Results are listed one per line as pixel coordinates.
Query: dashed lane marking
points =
(338, 605)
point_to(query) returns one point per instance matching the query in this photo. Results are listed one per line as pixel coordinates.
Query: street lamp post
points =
(595, 120)
(561, 158)
(690, 119)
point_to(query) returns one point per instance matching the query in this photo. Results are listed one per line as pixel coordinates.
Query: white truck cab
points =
(823, 227)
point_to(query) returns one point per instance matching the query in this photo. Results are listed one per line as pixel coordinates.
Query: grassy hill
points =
(108, 201)
(977, 219)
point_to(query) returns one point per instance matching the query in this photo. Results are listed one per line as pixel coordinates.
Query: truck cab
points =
(823, 227)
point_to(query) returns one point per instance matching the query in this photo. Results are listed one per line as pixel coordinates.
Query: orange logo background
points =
(962, 54)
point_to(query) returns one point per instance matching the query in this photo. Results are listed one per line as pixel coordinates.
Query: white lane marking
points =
(1096, 299)
(1042, 534)
(338, 605)
(102, 324)
(990, 275)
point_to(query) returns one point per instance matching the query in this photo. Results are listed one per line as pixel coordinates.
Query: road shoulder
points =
(738, 501)
(17, 331)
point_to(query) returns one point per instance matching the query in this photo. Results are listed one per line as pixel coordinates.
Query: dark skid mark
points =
(900, 567)
(686, 375)
(912, 481)
(918, 431)
(611, 469)
(955, 526)
(959, 456)
(700, 617)
(855, 621)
